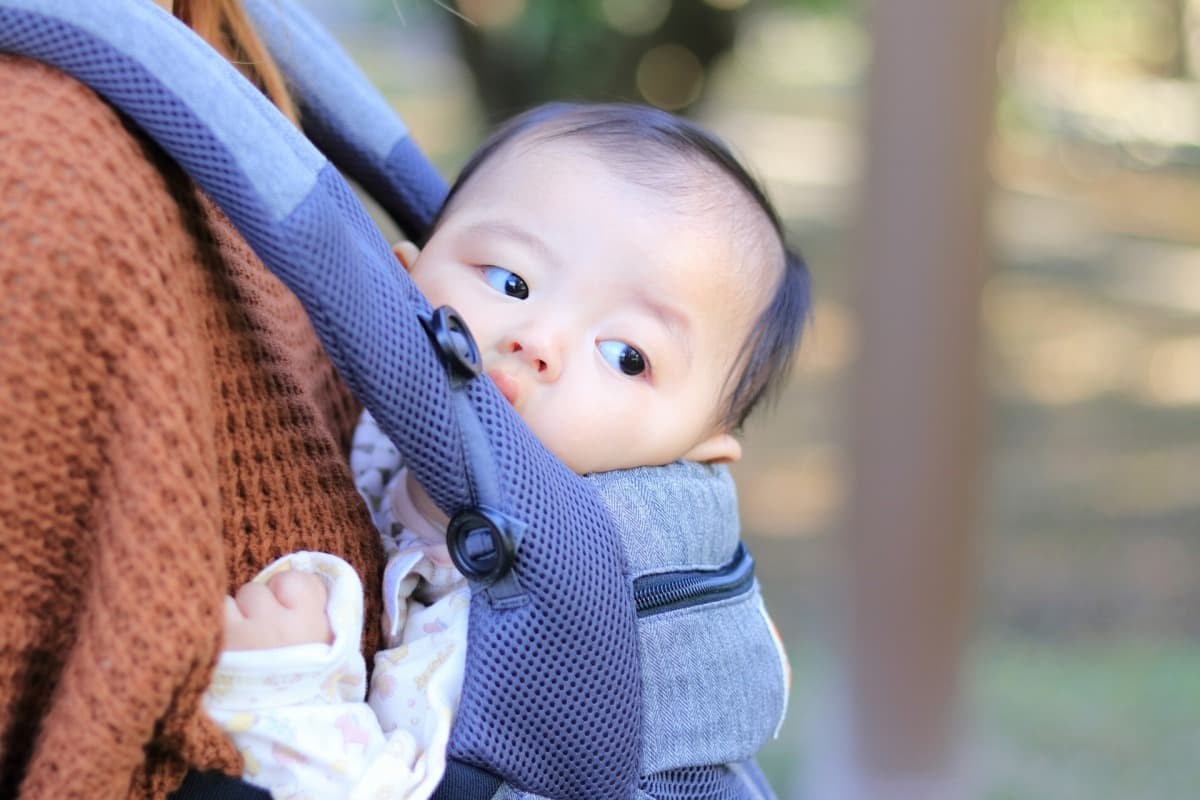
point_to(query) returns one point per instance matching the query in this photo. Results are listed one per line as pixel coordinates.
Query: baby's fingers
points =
(287, 610)
(233, 614)
(302, 591)
(240, 633)
(256, 600)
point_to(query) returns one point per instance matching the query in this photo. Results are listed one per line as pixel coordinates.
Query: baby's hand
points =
(288, 609)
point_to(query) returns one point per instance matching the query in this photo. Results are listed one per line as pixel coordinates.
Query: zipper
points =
(654, 594)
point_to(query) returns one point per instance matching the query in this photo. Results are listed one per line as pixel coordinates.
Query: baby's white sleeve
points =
(297, 714)
(417, 681)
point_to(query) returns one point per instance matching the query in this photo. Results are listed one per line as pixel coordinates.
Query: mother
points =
(170, 426)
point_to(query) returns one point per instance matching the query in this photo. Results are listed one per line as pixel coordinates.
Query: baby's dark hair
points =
(636, 137)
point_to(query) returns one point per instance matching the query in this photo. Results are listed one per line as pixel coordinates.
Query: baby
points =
(632, 297)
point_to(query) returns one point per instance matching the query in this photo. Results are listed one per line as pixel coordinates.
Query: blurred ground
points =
(1085, 679)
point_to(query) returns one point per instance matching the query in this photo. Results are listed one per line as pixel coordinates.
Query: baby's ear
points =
(720, 447)
(406, 253)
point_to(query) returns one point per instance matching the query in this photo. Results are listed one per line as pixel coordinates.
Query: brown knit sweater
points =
(168, 426)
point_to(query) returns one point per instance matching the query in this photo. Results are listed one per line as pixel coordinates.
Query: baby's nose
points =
(537, 348)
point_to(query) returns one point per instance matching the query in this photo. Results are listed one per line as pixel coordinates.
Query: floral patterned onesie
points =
(297, 714)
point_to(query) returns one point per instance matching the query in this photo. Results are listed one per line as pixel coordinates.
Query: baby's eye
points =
(510, 283)
(623, 357)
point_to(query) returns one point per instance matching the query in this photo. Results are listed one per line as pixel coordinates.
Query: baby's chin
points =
(583, 456)
(588, 463)
(583, 463)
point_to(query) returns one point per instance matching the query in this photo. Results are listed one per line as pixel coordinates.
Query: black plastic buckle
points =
(455, 345)
(483, 545)
(479, 547)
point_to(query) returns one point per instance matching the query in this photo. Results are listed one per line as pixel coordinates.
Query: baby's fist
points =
(288, 609)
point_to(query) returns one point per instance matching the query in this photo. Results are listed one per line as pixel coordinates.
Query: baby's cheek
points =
(567, 441)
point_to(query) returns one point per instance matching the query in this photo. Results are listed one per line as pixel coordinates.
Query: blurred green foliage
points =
(655, 51)
(1103, 720)
(1149, 36)
(524, 52)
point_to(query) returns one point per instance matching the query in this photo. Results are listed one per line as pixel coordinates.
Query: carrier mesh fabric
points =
(402, 184)
(551, 700)
(712, 782)
(405, 185)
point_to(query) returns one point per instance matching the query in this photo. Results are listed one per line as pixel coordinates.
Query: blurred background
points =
(1082, 676)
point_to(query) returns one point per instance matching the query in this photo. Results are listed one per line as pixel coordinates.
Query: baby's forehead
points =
(679, 203)
(686, 184)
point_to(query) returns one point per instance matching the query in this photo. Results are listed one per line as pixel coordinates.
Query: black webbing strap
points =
(465, 782)
(216, 786)
(461, 782)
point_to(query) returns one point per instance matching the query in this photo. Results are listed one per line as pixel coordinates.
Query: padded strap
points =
(551, 699)
(347, 117)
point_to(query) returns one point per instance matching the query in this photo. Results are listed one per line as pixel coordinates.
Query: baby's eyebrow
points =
(513, 231)
(673, 320)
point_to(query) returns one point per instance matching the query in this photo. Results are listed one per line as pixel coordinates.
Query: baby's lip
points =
(507, 384)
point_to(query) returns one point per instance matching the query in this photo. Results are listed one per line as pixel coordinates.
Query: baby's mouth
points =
(507, 385)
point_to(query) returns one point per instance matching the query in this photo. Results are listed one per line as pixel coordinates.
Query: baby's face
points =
(606, 316)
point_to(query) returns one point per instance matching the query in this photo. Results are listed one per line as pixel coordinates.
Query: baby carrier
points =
(606, 636)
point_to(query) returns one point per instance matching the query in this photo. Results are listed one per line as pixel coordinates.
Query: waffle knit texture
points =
(169, 425)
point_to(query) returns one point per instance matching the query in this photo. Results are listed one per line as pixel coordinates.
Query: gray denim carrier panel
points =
(677, 517)
(714, 682)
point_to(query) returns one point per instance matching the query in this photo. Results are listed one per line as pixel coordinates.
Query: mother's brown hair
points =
(225, 26)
